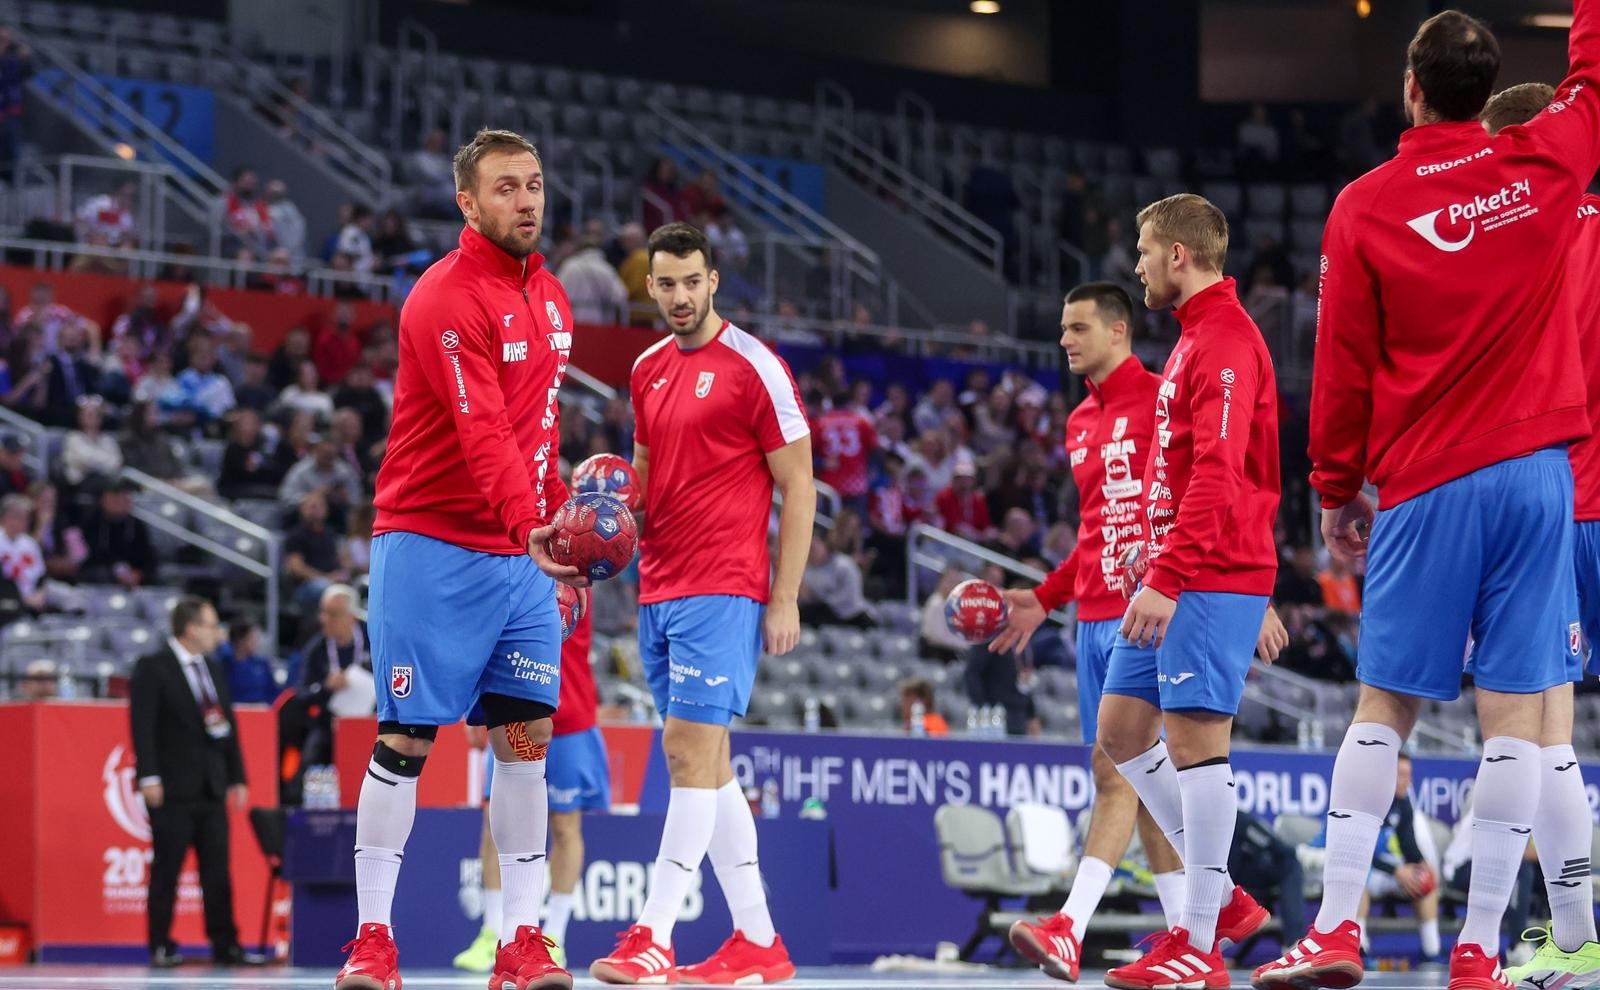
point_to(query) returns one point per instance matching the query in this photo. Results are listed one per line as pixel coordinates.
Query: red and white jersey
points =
(709, 417)
(845, 442)
(106, 217)
(21, 561)
(1584, 286)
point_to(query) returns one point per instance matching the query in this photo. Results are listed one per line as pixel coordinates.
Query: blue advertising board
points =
(186, 114)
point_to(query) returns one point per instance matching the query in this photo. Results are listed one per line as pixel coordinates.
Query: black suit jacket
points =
(169, 734)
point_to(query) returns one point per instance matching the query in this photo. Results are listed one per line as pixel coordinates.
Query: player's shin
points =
(1363, 788)
(1504, 799)
(385, 812)
(519, 820)
(1562, 835)
(734, 857)
(1208, 821)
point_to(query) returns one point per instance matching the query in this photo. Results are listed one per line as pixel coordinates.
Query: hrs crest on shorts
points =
(400, 681)
(1575, 638)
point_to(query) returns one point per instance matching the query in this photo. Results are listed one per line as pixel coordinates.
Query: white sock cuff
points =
(1357, 817)
(378, 852)
(1205, 771)
(1375, 731)
(531, 768)
(1551, 757)
(1150, 759)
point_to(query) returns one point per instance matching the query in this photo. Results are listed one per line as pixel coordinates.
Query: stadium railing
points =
(35, 438)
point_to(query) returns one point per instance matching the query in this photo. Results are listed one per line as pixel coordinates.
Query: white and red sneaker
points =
(525, 964)
(741, 961)
(1240, 918)
(637, 960)
(373, 963)
(1172, 964)
(1051, 944)
(1473, 968)
(1321, 959)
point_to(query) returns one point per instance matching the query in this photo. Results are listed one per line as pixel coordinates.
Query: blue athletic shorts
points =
(699, 655)
(449, 625)
(577, 770)
(1586, 565)
(1202, 663)
(1095, 643)
(1490, 553)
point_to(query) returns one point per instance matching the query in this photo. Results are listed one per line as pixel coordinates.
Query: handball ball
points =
(1428, 883)
(596, 534)
(975, 611)
(570, 603)
(610, 474)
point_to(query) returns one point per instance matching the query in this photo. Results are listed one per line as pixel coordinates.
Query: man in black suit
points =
(186, 743)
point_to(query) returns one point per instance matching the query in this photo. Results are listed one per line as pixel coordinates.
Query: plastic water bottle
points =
(66, 685)
(997, 721)
(972, 722)
(1317, 735)
(1305, 734)
(919, 714)
(770, 805)
(813, 715)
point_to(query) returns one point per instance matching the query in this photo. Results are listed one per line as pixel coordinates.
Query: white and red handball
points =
(571, 603)
(976, 611)
(610, 474)
(596, 534)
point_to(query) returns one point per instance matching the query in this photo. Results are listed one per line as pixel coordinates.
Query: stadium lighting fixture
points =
(1363, 9)
(1561, 21)
(984, 6)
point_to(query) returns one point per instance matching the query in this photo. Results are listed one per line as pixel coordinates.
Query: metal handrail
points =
(38, 438)
(430, 47)
(914, 559)
(922, 341)
(196, 504)
(590, 382)
(904, 103)
(1316, 690)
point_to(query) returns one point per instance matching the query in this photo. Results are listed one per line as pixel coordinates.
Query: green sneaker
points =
(558, 953)
(479, 956)
(1553, 969)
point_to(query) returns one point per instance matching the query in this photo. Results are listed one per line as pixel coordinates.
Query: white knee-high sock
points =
(519, 822)
(556, 915)
(1088, 886)
(1170, 889)
(494, 909)
(691, 817)
(1504, 801)
(733, 852)
(384, 815)
(1561, 834)
(1154, 778)
(1363, 788)
(1209, 813)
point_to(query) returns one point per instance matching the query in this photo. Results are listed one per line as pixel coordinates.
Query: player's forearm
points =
(795, 520)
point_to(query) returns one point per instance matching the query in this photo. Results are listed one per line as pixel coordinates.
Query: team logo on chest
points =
(702, 385)
(554, 314)
(1120, 428)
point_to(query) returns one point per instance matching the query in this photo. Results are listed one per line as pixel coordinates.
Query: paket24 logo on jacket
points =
(1505, 206)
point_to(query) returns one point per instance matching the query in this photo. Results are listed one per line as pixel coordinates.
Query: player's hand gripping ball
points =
(596, 534)
(610, 474)
(571, 604)
(976, 611)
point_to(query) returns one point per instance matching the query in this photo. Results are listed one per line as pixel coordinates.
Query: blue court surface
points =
(199, 977)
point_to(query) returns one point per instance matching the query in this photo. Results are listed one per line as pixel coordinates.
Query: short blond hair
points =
(483, 143)
(1516, 105)
(1192, 221)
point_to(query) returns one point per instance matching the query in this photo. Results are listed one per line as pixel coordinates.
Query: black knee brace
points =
(396, 763)
(502, 709)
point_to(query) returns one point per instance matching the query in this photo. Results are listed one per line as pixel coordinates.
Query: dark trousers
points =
(1273, 875)
(176, 827)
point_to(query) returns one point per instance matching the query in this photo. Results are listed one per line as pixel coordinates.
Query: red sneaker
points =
(525, 964)
(1172, 963)
(637, 959)
(1321, 959)
(1051, 944)
(1471, 968)
(1240, 917)
(743, 962)
(374, 962)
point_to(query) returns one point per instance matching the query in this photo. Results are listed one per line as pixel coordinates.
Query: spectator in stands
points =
(64, 547)
(934, 458)
(1340, 592)
(1269, 868)
(1297, 583)
(146, 448)
(991, 423)
(201, 389)
(323, 472)
(1059, 542)
(393, 242)
(598, 296)
(430, 172)
(357, 393)
(14, 475)
(88, 451)
(248, 470)
(155, 380)
(287, 222)
(703, 196)
(16, 65)
(21, 558)
(1258, 144)
(41, 681)
(356, 547)
(250, 674)
(254, 392)
(1117, 263)
(831, 593)
(1267, 300)
(845, 445)
(338, 348)
(142, 323)
(912, 691)
(52, 317)
(336, 672)
(1028, 488)
(295, 442)
(896, 404)
(26, 375)
(1019, 536)
(963, 508)
(284, 368)
(937, 408)
(937, 639)
(108, 218)
(306, 395)
(311, 553)
(119, 543)
(732, 248)
(355, 239)
(73, 375)
(248, 221)
(633, 269)
(661, 201)
(346, 434)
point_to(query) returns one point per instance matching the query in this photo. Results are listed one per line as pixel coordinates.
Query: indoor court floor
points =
(57, 977)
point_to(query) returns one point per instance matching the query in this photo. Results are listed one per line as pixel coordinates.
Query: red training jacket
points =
(1108, 445)
(1213, 473)
(484, 341)
(1445, 338)
(1584, 284)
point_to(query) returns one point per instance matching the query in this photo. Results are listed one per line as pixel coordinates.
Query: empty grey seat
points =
(836, 674)
(1309, 200)
(627, 93)
(1163, 163)
(1266, 200)
(558, 84)
(111, 601)
(973, 857)
(845, 642)
(1226, 196)
(1306, 235)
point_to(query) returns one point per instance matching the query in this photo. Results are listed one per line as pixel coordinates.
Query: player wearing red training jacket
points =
(718, 421)
(1107, 442)
(1431, 263)
(1208, 566)
(462, 603)
(1568, 954)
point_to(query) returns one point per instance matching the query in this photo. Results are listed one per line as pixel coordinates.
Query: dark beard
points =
(511, 242)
